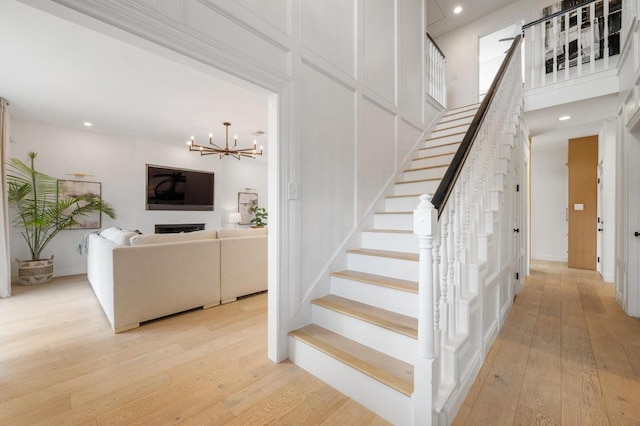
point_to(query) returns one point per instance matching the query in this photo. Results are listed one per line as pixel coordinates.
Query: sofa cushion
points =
(241, 232)
(118, 236)
(145, 239)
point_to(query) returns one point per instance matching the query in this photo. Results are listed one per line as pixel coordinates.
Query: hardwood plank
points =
(621, 390)
(581, 366)
(246, 397)
(61, 363)
(526, 416)
(315, 409)
(279, 403)
(349, 413)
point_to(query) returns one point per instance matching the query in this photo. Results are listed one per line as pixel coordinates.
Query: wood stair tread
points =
(417, 169)
(440, 145)
(389, 231)
(385, 212)
(384, 253)
(444, 136)
(379, 280)
(450, 128)
(442, 121)
(404, 196)
(419, 180)
(426, 157)
(398, 323)
(387, 370)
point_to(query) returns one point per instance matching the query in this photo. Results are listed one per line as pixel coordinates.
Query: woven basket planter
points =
(32, 272)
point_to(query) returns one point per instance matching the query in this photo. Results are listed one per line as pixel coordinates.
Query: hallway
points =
(567, 354)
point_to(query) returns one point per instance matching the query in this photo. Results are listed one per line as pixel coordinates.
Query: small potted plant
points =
(260, 218)
(40, 215)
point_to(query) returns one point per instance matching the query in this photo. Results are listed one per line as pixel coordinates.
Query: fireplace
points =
(171, 228)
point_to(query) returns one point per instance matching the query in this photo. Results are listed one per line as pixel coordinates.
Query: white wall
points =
(461, 48)
(549, 199)
(119, 164)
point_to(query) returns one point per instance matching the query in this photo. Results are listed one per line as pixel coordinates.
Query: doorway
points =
(583, 202)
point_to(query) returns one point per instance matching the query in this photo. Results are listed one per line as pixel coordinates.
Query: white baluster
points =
(450, 272)
(436, 290)
(444, 263)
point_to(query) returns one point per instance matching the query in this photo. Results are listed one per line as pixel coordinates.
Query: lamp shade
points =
(234, 217)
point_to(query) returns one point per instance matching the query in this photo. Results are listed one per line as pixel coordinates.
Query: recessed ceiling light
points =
(457, 9)
(564, 118)
(86, 123)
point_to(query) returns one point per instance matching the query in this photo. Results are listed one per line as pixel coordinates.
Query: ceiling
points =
(441, 19)
(58, 72)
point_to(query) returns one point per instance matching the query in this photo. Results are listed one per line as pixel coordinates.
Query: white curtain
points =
(5, 261)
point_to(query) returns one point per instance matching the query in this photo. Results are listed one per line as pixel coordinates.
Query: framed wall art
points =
(247, 200)
(74, 188)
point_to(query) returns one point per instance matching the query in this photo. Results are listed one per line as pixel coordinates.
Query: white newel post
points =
(424, 218)
(424, 225)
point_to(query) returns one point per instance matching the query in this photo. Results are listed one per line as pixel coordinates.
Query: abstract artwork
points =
(74, 188)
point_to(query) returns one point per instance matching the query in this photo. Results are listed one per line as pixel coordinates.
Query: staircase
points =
(363, 335)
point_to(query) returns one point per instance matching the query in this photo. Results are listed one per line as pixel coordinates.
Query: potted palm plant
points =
(260, 218)
(40, 215)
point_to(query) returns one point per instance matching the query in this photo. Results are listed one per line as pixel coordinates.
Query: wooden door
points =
(583, 199)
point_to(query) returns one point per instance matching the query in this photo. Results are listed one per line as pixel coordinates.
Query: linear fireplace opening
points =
(172, 228)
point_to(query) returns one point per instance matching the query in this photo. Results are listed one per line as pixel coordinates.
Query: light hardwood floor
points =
(567, 354)
(61, 364)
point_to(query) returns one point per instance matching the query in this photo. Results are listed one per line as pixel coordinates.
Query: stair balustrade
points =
(453, 227)
(435, 68)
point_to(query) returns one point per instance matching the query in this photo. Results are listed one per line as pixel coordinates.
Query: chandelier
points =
(235, 152)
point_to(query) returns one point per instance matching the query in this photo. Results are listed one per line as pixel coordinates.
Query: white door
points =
(633, 230)
(517, 233)
(599, 221)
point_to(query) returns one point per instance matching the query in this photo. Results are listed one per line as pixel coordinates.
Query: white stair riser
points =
(412, 188)
(399, 301)
(437, 172)
(436, 150)
(382, 340)
(449, 130)
(390, 267)
(433, 161)
(407, 243)
(400, 221)
(466, 110)
(454, 138)
(388, 403)
(401, 204)
(458, 120)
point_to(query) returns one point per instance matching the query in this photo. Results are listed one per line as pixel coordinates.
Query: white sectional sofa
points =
(138, 278)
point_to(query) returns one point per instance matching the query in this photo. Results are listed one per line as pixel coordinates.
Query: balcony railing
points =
(574, 42)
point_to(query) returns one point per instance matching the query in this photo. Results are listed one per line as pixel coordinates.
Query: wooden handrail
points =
(436, 45)
(451, 175)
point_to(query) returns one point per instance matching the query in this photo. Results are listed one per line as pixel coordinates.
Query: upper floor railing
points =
(435, 68)
(574, 42)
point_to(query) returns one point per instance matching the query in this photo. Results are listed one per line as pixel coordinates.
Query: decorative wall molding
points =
(143, 22)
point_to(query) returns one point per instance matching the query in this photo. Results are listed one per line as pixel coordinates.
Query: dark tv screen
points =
(170, 188)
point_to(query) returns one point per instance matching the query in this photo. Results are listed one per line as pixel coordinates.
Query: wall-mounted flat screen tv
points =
(171, 188)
